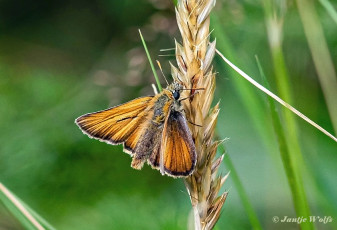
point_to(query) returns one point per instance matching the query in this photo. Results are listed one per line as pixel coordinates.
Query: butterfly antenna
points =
(194, 89)
(192, 95)
(161, 70)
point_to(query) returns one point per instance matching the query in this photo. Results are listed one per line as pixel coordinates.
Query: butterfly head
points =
(175, 88)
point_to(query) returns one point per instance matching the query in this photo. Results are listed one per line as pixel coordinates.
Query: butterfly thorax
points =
(162, 107)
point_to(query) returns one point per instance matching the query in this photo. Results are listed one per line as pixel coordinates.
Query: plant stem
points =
(321, 56)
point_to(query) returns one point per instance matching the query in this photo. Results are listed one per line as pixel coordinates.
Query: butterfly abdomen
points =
(150, 138)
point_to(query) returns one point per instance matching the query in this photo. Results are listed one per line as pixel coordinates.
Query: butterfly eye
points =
(176, 95)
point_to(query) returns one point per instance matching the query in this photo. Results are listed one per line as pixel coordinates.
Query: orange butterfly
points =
(152, 129)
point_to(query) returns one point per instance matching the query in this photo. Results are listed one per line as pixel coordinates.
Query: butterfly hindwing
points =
(122, 123)
(177, 147)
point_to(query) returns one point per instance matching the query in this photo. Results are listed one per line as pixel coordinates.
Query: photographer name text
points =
(301, 219)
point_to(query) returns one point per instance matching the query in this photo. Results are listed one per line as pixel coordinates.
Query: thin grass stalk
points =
(291, 170)
(254, 108)
(317, 179)
(194, 57)
(246, 93)
(276, 98)
(24, 214)
(321, 56)
(150, 61)
(288, 165)
(274, 21)
(319, 182)
(39, 218)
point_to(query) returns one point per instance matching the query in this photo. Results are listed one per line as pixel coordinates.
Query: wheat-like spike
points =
(194, 57)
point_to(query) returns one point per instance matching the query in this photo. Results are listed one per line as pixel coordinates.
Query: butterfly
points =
(152, 129)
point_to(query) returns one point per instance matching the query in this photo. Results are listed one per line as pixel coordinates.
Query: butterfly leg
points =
(191, 121)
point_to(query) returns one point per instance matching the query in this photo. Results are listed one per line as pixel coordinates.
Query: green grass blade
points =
(294, 180)
(151, 63)
(20, 211)
(330, 9)
(242, 193)
(246, 93)
(321, 56)
(317, 180)
(252, 104)
(290, 147)
(15, 212)
(40, 219)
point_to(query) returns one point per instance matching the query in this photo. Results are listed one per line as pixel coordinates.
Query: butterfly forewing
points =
(177, 148)
(119, 124)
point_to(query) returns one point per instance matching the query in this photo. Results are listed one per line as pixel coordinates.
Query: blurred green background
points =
(61, 59)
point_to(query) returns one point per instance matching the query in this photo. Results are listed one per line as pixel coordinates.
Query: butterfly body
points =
(152, 129)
